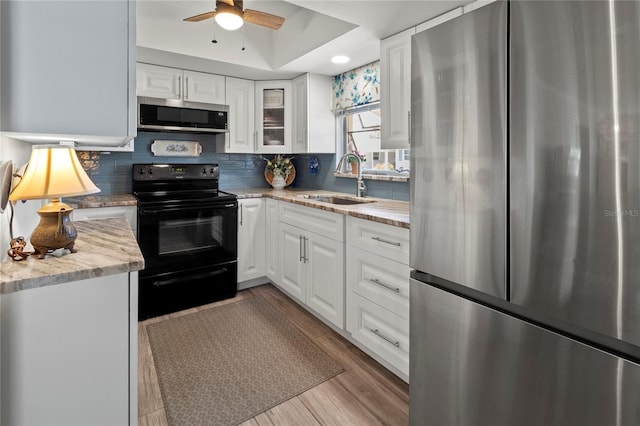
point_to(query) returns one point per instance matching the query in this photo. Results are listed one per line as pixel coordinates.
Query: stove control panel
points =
(153, 172)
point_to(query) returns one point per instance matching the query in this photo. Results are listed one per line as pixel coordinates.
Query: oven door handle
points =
(181, 280)
(143, 211)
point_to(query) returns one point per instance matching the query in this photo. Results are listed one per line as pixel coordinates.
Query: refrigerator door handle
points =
(409, 120)
(382, 240)
(395, 343)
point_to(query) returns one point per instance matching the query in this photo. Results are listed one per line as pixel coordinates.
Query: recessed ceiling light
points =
(340, 59)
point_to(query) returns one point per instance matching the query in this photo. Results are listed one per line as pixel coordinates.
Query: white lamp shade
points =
(229, 21)
(53, 172)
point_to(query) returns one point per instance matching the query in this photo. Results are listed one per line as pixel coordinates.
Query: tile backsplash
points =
(112, 172)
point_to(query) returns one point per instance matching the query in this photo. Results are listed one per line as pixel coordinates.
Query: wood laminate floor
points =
(364, 394)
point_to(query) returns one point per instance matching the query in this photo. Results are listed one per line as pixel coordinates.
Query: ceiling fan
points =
(230, 15)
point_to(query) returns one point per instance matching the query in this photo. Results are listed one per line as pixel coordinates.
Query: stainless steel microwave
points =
(185, 116)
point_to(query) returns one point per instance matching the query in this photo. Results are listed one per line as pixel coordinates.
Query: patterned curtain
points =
(359, 86)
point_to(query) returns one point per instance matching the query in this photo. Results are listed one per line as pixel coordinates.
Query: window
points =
(360, 127)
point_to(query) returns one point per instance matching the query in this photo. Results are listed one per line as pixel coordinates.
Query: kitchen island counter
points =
(105, 247)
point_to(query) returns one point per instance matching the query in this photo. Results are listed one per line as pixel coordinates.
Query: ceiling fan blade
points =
(201, 17)
(263, 19)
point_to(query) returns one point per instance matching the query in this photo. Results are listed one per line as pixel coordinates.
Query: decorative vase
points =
(278, 182)
(354, 168)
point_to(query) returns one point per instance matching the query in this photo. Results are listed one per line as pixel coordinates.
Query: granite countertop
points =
(91, 201)
(105, 247)
(381, 210)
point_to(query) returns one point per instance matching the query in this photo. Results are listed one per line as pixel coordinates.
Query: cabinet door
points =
(300, 114)
(67, 74)
(395, 90)
(381, 331)
(158, 82)
(251, 239)
(272, 245)
(273, 116)
(321, 131)
(325, 277)
(203, 87)
(292, 267)
(312, 98)
(58, 342)
(382, 281)
(240, 96)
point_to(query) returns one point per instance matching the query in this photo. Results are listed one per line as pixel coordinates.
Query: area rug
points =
(225, 365)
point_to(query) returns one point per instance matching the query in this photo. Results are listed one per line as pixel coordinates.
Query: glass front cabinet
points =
(273, 117)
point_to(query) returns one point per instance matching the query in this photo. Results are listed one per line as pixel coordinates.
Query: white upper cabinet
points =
(313, 121)
(171, 83)
(395, 81)
(241, 100)
(395, 90)
(158, 82)
(300, 113)
(203, 87)
(273, 117)
(68, 72)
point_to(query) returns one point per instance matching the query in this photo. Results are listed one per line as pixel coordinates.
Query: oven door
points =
(183, 236)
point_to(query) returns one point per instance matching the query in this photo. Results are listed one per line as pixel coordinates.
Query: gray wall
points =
(237, 171)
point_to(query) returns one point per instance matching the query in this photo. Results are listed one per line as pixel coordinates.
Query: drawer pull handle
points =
(395, 343)
(382, 240)
(387, 286)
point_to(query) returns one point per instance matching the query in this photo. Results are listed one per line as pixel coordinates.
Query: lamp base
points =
(55, 230)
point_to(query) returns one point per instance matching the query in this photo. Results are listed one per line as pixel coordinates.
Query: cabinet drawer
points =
(381, 331)
(386, 240)
(382, 281)
(328, 224)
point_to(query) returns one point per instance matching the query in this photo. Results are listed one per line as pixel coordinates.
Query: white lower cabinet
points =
(380, 330)
(312, 265)
(70, 353)
(313, 271)
(272, 244)
(292, 266)
(381, 280)
(324, 277)
(251, 239)
(377, 291)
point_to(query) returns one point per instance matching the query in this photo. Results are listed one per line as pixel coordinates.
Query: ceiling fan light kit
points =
(230, 15)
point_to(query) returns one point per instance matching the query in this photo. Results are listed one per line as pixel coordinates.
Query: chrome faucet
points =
(362, 188)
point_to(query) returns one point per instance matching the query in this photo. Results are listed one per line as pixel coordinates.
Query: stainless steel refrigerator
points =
(525, 216)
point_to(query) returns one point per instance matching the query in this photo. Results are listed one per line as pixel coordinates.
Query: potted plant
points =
(280, 168)
(354, 163)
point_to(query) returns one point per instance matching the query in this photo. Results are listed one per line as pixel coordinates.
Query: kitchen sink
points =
(340, 200)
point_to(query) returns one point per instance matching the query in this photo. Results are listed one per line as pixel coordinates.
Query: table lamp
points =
(53, 172)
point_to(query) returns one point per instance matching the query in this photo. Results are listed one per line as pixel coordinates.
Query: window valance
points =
(359, 86)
